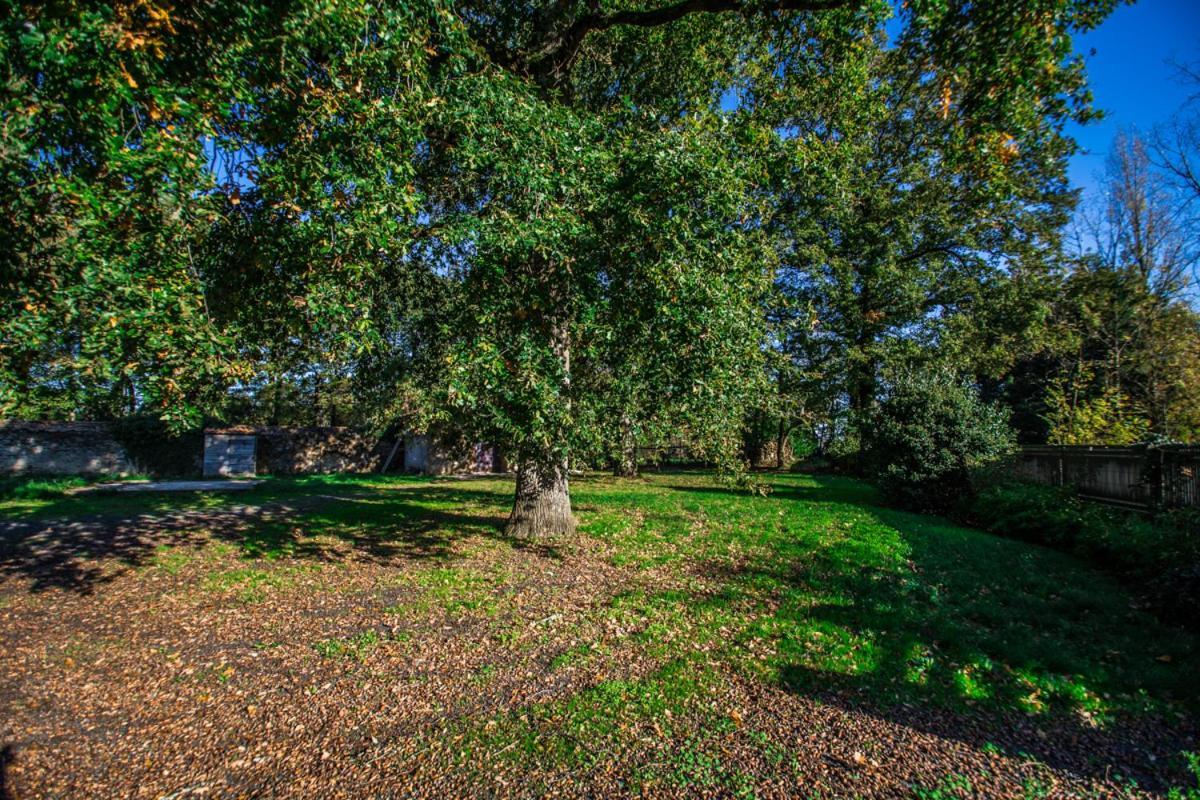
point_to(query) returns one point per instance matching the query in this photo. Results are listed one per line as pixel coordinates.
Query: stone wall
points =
(62, 448)
(102, 448)
(297, 451)
(448, 455)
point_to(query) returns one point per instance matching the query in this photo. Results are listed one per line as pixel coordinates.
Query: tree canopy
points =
(546, 223)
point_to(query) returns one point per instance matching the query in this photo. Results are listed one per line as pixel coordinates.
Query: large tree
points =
(505, 153)
(1002, 78)
(914, 226)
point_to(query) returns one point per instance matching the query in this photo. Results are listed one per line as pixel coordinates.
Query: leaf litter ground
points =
(369, 636)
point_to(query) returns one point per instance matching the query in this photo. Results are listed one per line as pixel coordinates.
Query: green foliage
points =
(38, 488)
(943, 258)
(1106, 417)
(1041, 514)
(163, 218)
(928, 434)
(107, 196)
(1190, 792)
(1160, 555)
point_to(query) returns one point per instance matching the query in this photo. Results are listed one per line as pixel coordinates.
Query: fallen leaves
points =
(205, 694)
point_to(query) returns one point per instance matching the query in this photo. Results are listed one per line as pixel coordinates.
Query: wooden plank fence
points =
(1143, 476)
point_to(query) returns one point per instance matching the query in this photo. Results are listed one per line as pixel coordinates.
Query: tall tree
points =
(1126, 330)
(491, 147)
(904, 226)
(1005, 73)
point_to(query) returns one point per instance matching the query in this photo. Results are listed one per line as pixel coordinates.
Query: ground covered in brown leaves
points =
(381, 637)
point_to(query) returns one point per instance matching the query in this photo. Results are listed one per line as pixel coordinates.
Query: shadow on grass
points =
(6, 758)
(966, 635)
(827, 489)
(383, 524)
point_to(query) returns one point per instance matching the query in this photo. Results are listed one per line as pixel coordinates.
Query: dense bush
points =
(1159, 555)
(927, 436)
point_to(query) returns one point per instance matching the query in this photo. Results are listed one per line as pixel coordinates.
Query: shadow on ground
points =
(6, 758)
(935, 628)
(383, 524)
(969, 636)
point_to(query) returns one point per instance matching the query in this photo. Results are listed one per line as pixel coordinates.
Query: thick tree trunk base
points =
(626, 466)
(543, 503)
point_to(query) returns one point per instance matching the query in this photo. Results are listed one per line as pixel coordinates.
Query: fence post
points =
(1161, 498)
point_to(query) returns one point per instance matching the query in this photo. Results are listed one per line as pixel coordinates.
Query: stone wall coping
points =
(244, 430)
(50, 426)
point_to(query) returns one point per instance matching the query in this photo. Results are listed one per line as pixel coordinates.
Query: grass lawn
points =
(367, 636)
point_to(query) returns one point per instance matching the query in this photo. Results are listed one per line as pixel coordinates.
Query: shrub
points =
(927, 436)
(1159, 556)
(1040, 514)
(1127, 541)
(1177, 589)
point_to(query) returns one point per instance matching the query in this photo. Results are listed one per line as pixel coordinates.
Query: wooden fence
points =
(1145, 476)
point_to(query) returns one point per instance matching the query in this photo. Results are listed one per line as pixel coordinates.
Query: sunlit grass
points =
(813, 588)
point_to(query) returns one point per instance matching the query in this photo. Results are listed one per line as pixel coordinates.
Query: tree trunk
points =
(543, 503)
(626, 466)
(862, 388)
(542, 508)
(780, 441)
(277, 388)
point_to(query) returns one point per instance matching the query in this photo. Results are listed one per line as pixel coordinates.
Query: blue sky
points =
(1131, 75)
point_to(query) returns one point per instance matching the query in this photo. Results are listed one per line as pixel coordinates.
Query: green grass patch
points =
(457, 591)
(576, 733)
(39, 488)
(253, 585)
(816, 586)
(172, 560)
(356, 647)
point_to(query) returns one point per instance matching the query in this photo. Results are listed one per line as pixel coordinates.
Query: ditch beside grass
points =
(350, 636)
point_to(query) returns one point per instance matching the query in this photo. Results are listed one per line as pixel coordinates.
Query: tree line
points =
(571, 227)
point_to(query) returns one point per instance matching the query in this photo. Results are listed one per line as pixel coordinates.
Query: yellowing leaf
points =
(133, 84)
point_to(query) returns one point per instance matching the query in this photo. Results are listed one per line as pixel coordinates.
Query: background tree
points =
(1176, 144)
(107, 197)
(1127, 334)
(903, 240)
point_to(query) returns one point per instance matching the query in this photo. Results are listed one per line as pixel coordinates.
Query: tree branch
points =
(559, 49)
